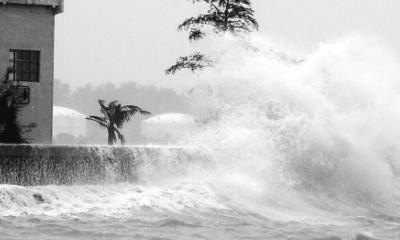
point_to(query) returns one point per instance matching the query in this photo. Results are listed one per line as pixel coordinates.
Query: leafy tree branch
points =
(233, 16)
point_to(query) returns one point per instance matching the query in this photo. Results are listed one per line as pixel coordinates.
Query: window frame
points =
(22, 65)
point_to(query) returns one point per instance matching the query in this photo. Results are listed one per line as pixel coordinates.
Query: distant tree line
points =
(84, 99)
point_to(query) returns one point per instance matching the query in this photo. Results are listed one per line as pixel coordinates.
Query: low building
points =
(68, 125)
(169, 127)
(27, 49)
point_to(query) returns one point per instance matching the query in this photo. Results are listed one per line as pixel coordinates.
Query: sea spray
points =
(300, 148)
(281, 132)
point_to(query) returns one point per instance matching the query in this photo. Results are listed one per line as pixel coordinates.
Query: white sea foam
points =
(118, 201)
(281, 130)
(312, 141)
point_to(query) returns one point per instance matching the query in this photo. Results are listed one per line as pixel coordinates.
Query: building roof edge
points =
(57, 5)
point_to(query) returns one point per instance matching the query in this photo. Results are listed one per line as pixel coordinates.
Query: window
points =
(24, 65)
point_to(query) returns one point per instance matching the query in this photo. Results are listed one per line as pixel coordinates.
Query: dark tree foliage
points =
(234, 16)
(114, 115)
(196, 61)
(10, 129)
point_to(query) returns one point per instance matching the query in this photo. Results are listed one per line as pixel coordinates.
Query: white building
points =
(68, 122)
(27, 53)
(169, 127)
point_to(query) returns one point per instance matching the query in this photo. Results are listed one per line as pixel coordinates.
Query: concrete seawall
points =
(67, 165)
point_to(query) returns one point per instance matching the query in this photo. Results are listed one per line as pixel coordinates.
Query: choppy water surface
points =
(289, 150)
(176, 211)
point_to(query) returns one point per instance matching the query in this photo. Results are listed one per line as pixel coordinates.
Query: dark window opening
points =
(24, 65)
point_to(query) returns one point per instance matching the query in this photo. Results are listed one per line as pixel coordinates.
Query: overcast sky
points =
(131, 40)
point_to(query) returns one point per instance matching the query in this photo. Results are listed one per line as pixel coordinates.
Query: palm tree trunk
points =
(111, 134)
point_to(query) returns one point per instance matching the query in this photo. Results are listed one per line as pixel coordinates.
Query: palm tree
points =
(114, 117)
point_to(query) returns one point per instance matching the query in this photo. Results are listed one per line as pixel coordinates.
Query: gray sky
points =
(131, 40)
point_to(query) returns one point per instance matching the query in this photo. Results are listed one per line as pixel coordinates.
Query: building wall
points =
(31, 28)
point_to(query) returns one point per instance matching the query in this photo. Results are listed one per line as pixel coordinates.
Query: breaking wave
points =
(312, 141)
(319, 133)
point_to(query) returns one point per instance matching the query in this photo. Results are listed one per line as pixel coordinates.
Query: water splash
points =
(288, 133)
(307, 147)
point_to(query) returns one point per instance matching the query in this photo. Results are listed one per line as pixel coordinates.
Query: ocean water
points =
(304, 148)
(179, 211)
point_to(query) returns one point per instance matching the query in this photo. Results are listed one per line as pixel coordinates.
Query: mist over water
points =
(303, 148)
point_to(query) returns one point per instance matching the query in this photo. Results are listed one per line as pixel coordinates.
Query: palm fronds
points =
(114, 117)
